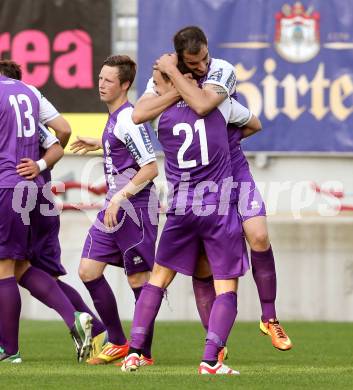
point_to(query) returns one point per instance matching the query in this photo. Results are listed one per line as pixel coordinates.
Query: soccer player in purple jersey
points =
(123, 234)
(196, 150)
(217, 79)
(46, 251)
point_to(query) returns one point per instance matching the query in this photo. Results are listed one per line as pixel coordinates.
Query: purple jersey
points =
(197, 147)
(19, 116)
(127, 147)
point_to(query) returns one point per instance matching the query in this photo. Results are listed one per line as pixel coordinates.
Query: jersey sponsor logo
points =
(216, 75)
(230, 83)
(110, 127)
(132, 148)
(182, 104)
(254, 205)
(107, 148)
(146, 139)
(109, 166)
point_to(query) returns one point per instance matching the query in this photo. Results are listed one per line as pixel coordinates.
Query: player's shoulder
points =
(6, 80)
(20, 85)
(124, 115)
(34, 90)
(217, 63)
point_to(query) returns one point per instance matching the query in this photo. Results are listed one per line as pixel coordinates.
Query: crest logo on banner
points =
(297, 37)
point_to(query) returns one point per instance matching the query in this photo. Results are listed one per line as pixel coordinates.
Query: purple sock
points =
(10, 304)
(147, 349)
(224, 311)
(105, 304)
(264, 272)
(204, 296)
(79, 305)
(146, 311)
(44, 288)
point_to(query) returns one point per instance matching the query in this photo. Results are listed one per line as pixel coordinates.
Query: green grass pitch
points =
(321, 358)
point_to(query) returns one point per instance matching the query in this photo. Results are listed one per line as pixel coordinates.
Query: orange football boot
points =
(278, 336)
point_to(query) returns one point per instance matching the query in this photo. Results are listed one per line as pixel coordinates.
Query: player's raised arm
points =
(151, 104)
(201, 100)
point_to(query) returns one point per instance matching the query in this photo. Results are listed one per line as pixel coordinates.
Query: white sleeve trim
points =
(50, 119)
(47, 111)
(145, 162)
(239, 115)
(46, 138)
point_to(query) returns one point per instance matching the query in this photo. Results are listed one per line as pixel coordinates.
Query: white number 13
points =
(15, 102)
(189, 135)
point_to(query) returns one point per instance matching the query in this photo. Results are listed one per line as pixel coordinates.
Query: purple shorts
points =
(45, 245)
(222, 236)
(14, 228)
(131, 247)
(247, 196)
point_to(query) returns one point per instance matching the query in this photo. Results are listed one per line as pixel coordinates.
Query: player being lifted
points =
(123, 234)
(197, 152)
(217, 79)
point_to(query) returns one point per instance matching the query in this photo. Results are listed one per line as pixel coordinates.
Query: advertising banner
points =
(293, 60)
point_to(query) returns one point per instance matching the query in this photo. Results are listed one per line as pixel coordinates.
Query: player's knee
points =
(88, 273)
(138, 279)
(161, 276)
(259, 241)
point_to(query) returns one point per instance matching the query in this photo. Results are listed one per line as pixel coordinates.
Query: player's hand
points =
(83, 145)
(111, 214)
(188, 77)
(165, 62)
(28, 169)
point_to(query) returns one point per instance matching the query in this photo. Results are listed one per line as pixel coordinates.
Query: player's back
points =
(197, 147)
(19, 116)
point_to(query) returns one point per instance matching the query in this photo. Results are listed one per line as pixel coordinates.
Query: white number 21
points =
(189, 135)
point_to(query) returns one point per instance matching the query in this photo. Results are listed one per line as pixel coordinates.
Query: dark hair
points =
(10, 69)
(182, 68)
(189, 39)
(125, 65)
